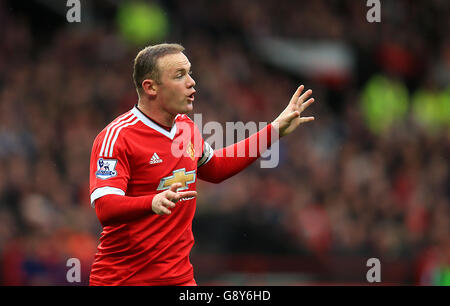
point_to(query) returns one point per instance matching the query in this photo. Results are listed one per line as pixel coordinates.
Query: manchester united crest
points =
(190, 151)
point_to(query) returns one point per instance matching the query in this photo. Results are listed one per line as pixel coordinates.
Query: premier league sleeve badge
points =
(106, 168)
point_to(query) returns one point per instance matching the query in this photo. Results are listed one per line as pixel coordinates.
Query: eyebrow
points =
(182, 69)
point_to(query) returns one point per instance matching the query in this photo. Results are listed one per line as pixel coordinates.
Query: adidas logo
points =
(155, 159)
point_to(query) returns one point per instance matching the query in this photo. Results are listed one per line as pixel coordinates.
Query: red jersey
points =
(134, 156)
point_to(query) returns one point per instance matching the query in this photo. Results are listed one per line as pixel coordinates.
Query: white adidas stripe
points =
(113, 131)
(117, 134)
(118, 120)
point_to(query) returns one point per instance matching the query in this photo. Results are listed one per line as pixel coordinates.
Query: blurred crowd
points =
(341, 188)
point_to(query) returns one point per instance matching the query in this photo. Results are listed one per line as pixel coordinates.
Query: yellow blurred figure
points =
(383, 102)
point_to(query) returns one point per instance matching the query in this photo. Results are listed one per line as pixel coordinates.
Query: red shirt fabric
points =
(134, 156)
(132, 160)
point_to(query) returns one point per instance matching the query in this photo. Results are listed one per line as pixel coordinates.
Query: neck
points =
(159, 115)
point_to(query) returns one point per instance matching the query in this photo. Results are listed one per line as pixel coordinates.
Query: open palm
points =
(290, 118)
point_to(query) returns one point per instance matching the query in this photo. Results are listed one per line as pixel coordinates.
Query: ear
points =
(149, 86)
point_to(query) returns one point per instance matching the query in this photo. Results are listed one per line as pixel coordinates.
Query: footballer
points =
(144, 168)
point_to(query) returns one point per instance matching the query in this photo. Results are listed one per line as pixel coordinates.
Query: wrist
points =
(276, 128)
(149, 203)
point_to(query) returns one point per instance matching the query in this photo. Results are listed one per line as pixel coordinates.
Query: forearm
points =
(230, 160)
(118, 209)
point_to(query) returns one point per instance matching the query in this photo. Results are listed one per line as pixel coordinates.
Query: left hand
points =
(290, 118)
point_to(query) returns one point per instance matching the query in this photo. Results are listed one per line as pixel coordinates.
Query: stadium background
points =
(368, 178)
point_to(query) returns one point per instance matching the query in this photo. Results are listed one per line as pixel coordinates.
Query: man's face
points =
(176, 88)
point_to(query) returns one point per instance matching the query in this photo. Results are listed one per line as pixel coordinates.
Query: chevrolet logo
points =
(179, 176)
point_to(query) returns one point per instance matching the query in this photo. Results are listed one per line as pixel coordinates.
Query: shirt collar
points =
(152, 124)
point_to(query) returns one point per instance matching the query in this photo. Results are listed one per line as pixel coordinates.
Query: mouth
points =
(191, 97)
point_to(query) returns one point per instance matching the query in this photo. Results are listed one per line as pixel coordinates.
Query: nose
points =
(191, 81)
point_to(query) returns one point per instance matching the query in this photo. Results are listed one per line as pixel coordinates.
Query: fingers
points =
(167, 199)
(298, 98)
(292, 116)
(303, 97)
(171, 194)
(306, 104)
(175, 186)
(167, 203)
(176, 196)
(295, 115)
(306, 119)
(187, 194)
(162, 207)
(297, 94)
